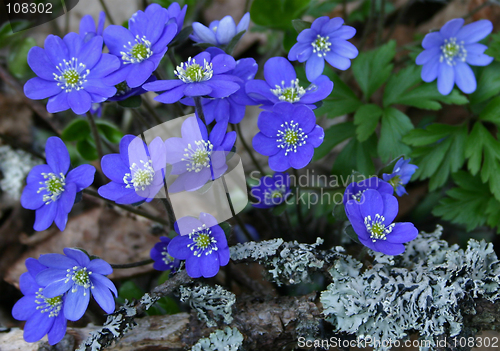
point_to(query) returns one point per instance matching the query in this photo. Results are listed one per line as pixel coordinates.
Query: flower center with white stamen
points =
(190, 71)
(71, 75)
(290, 136)
(376, 227)
(140, 176)
(122, 88)
(79, 276)
(357, 196)
(138, 51)
(275, 195)
(451, 51)
(166, 258)
(52, 305)
(198, 157)
(321, 45)
(203, 241)
(54, 186)
(395, 181)
(292, 93)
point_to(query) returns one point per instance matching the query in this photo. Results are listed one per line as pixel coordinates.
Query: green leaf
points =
(7, 34)
(493, 49)
(334, 136)
(87, 150)
(395, 124)
(277, 13)
(372, 69)
(400, 89)
(470, 203)
(483, 147)
(230, 47)
(366, 119)
(130, 291)
(226, 227)
(356, 156)
(182, 36)
(349, 230)
(300, 25)
(438, 151)
(339, 212)
(341, 101)
(289, 39)
(488, 84)
(168, 305)
(78, 129)
(17, 61)
(491, 112)
(131, 102)
(109, 131)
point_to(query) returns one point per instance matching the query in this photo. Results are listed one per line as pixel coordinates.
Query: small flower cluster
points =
(371, 208)
(57, 288)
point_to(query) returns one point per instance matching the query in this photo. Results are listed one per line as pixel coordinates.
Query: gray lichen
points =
(220, 340)
(286, 262)
(417, 291)
(212, 304)
(15, 166)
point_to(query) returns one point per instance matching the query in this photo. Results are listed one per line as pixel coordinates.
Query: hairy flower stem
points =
(141, 119)
(299, 207)
(248, 149)
(128, 208)
(170, 211)
(132, 265)
(95, 134)
(151, 110)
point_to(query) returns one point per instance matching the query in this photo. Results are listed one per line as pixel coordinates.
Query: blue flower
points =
(196, 157)
(123, 91)
(449, 52)
(221, 32)
(175, 14)
(43, 315)
(354, 191)
(79, 277)
(271, 191)
(198, 76)
(88, 28)
(233, 106)
(203, 245)
(401, 175)
(371, 219)
(142, 46)
(163, 261)
(288, 135)
(282, 84)
(71, 73)
(325, 40)
(136, 173)
(51, 190)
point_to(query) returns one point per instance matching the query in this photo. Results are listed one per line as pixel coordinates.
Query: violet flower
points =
(271, 191)
(354, 191)
(162, 259)
(400, 176)
(219, 33)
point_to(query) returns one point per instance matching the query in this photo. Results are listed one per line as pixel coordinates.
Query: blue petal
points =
(49, 276)
(79, 101)
(475, 31)
(34, 266)
(446, 78)
(139, 73)
(57, 155)
(78, 255)
(114, 168)
(224, 256)
(344, 48)
(56, 49)
(38, 88)
(297, 49)
(226, 30)
(178, 247)
(426, 55)
(344, 32)
(64, 205)
(222, 63)
(279, 162)
(465, 78)
(100, 266)
(430, 70)
(221, 87)
(391, 208)
(91, 52)
(44, 216)
(269, 123)
(197, 89)
(37, 326)
(209, 265)
(278, 71)
(114, 191)
(316, 137)
(388, 248)
(82, 176)
(31, 199)
(24, 308)
(451, 28)
(316, 64)
(304, 116)
(302, 156)
(431, 40)
(204, 34)
(103, 296)
(332, 25)
(319, 23)
(156, 25)
(40, 63)
(58, 261)
(371, 204)
(76, 303)
(402, 233)
(193, 268)
(115, 37)
(336, 60)
(264, 145)
(162, 85)
(106, 65)
(58, 329)
(478, 59)
(102, 280)
(244, 22)
(319, 90)
(171, 96)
